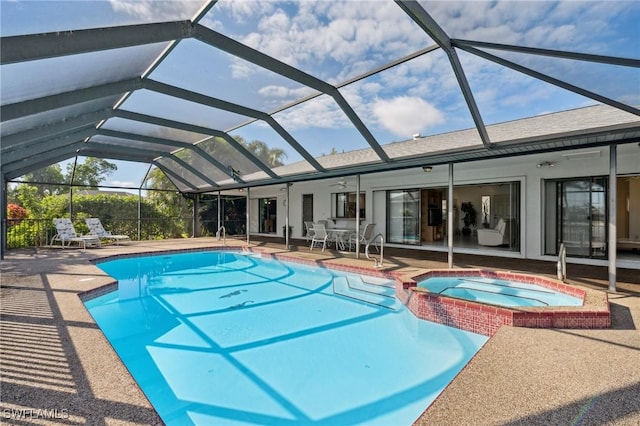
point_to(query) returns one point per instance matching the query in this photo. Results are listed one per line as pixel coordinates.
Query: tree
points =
(49, 175)
(272, 157)
(168, 204)
(91, 172)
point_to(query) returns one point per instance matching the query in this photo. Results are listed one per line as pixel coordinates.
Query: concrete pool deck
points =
(55, 363)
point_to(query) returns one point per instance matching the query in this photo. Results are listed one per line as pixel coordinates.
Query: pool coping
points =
(265, 253)
(486, 319)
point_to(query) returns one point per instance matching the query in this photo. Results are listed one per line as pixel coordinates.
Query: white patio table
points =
(340, 236)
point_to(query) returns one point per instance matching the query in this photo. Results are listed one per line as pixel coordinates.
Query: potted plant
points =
(469, 218)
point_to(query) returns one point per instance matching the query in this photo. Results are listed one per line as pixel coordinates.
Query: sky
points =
(336, 41)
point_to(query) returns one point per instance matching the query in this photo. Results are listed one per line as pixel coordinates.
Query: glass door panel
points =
(583, 217)
(598, 219)
(268, 208)
(404, 217)
(575, 217)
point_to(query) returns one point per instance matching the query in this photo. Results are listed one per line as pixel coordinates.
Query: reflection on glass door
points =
(403, 216)
(268, 210)
(581, 216)
(574, 225)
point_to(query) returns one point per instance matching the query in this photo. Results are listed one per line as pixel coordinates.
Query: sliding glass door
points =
(580, 213)
(268, 212)
(404, 216)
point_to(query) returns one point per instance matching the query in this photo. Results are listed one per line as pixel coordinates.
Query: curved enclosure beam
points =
(49, 45)
(46, 103)
(431, 27)
(238, 49)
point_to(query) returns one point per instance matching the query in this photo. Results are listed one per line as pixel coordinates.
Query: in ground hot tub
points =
(482, 301)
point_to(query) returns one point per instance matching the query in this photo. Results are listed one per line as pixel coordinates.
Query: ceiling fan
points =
(342, 183)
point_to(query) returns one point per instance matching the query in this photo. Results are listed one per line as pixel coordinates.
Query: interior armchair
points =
(493, 237)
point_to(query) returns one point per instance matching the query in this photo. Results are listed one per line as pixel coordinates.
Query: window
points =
(345, 203)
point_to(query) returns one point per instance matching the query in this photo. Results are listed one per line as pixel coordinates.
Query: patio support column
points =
(357, 216)
(613, 199)
(218, 224)
(286, 219)
(196, 224)
(248, 220)
(139, 214)
(3, 215)
(73, 177)
(450, 218)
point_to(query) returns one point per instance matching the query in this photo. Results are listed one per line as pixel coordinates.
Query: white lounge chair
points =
(320, 236)
(96, 229)
(493, 237)
(66, 234)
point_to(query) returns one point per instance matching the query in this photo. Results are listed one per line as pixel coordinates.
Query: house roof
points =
(176, 91)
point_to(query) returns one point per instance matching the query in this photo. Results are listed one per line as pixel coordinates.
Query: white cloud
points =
(405, 116)
(321, 112)
(331, 39)
(568, 25)
(124, 184)
(156, 11)
(241, 10)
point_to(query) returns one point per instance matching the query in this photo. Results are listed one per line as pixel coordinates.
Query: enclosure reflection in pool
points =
(222, 337)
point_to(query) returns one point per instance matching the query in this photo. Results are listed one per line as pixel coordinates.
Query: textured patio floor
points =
(55, 363)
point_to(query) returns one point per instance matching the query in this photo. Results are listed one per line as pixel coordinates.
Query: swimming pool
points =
(226, 338)
(498, 291)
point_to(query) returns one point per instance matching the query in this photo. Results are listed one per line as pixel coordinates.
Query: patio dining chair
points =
(320, 236)
(366, 236)
(310, 232)
(96, 229)
(66, 234)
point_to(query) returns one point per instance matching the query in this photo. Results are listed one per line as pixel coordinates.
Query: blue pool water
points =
(498, 292)
(228, 338)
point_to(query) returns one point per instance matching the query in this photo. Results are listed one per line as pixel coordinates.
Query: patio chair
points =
(320, 236)
(66, 234)
(493, 237)
(309, 230)
(366, 235)
(324, 223)
(96, 229)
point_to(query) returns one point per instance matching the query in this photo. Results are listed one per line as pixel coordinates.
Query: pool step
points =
(355, 288)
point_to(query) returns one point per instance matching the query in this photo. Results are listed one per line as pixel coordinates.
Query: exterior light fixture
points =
(546, 164)
(427, 169)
